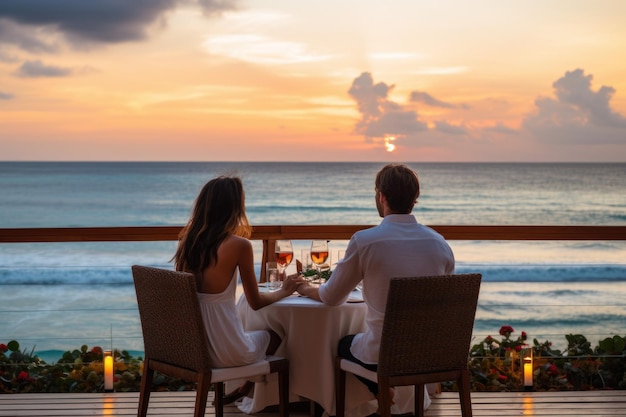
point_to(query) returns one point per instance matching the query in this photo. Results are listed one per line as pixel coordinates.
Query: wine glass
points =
(284, 255)
(319, 254)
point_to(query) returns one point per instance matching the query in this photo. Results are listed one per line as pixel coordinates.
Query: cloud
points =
(94, 21)
(24, 38)
(575, 115)
(5, 96)
(501, 128)
(380, 116)
(578, 115)
(36, 69)
(260, 49)
(6, 57)
(445, 127)
(425, 98)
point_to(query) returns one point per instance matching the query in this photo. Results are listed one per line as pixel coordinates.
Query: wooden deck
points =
(543, 404)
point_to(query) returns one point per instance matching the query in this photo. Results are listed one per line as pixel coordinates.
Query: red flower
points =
(524, 336)
(23, 376)
(553, 370)
(96, 350)
(3, 348)
(518, 348)
(506, 331)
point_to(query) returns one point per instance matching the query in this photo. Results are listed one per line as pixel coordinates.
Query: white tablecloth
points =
(310, 332)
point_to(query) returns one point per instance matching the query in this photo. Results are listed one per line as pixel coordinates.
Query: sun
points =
(389, 146)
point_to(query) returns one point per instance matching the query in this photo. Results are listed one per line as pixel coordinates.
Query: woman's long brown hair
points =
(219, 212)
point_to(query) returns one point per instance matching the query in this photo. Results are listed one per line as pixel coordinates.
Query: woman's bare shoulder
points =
(236, 242)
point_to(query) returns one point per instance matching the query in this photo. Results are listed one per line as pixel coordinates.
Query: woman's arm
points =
(256, 299)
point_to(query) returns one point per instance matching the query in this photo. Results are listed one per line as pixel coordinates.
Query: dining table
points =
(310, 332)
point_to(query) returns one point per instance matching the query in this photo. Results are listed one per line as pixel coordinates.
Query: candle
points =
(108, 370)
(528, 373)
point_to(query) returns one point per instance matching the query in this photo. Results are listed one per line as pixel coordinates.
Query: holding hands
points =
(292, 283)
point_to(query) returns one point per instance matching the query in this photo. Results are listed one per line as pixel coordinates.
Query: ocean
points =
(59, 296)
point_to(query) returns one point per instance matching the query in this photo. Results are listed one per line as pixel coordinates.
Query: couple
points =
(214, 246)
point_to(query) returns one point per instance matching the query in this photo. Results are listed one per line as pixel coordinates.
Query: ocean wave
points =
(491, 273)
(547, 273)
(579, 321)
(65, 276)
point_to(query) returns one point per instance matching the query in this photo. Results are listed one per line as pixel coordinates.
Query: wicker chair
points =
(176, 343)
(426, 338)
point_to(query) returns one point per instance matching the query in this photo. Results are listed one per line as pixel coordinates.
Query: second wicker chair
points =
(426, 338)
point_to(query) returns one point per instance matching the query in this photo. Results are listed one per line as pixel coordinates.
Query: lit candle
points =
(108, 370)
(528, 371)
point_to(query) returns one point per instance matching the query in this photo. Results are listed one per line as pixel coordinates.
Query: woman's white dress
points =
(229, 344)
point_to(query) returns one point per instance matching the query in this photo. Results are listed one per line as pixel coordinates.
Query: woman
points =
(214, 246)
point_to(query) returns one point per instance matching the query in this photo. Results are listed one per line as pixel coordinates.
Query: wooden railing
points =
(274, 232)
(270, 233)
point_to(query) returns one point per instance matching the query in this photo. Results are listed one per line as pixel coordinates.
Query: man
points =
(398, 247)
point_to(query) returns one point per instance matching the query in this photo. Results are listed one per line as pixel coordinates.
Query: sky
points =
(285, 80)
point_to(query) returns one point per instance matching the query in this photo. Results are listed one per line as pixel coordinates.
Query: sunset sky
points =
(269, 80)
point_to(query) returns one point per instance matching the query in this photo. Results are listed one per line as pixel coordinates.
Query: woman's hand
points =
(307, 290)
(292, 282)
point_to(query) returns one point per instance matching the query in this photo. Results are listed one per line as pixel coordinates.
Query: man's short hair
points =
(400, 186)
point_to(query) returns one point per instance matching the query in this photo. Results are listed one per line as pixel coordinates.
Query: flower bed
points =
(76, 371)
(495, 365)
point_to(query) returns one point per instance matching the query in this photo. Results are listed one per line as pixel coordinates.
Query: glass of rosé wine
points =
(319, 255)
(284, 255)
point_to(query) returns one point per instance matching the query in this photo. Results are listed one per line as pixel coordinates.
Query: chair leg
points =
(283, 392)
(418, 394)
(384, 397)
(464, 393)
(219, 399)
(146, 386)
(202, 392)
(340, 389)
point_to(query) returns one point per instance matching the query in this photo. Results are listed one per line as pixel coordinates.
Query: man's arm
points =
(310, 291)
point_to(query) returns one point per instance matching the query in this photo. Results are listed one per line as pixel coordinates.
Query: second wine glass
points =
(319, 254)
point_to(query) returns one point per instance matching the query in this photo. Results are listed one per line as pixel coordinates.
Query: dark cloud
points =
(23, 37)
(37, 69)
(369, 96)
(380, 116)
(97, 21)
(425, 98)
(5, 96)
(578, 115)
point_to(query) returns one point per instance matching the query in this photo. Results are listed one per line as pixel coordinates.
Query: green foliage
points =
(314, 274)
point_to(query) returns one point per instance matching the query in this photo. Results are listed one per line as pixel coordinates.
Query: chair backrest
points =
(428, 324)
(171, 321)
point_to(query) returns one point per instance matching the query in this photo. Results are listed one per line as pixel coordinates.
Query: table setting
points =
(310, 332)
